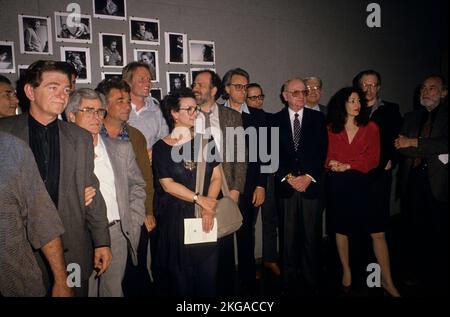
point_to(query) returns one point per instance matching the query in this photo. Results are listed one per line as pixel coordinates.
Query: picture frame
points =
(108, 75)
(110, 9)
(157, 94)
(70, 31)
(80, 59)
(176, 48)
(112, 56)
(202, 52)
(7, 58)
(150, 57)
(35, 35)
(176, 80)
(144, 31)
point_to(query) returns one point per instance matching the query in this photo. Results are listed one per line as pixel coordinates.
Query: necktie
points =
(207, 122)
(296, 132)
(424, 133)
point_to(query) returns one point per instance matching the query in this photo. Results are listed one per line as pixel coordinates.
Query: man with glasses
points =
(121, 185)
(8, 98)
(255, 96)
(117, 92)
(303, 147)
(65, 157)
(314, 88)
(235, 83)
(213, 119)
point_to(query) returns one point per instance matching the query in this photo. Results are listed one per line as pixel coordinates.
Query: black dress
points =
(171, 252)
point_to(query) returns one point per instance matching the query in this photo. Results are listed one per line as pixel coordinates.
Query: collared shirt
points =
(292, 117)
(316, 107)
(44, 142)
(244, 107)
(105, 174)
(377, 104)
(123, 135)
(215, 125)
(149, 120)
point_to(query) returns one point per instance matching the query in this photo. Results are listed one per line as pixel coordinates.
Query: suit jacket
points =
(130, 191)
(235, 172)
(86, 227)
(254, 177)
(139, 144)
(428, 148)
(389, 121)
(311, 157)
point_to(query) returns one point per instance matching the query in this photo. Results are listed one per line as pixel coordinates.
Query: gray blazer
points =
(85, 227)
(235, 172)
(130, 191)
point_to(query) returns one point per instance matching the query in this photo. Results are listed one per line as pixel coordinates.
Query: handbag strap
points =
(224, 187)
(201, 170)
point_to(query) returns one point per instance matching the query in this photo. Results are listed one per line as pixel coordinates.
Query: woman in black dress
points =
(191, 268)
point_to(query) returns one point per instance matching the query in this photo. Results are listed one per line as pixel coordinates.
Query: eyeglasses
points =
(101, 113)
(298, 93)
(191, 110)
(367, 86)
(254, 98)
(239, 87)
(311, 88)
(8, 93)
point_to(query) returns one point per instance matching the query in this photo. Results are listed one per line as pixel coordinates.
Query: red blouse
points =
(363, 154)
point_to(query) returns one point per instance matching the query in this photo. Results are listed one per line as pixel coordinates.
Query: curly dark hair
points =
(337, 114)
(172, 102)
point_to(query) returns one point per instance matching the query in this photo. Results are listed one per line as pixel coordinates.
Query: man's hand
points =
(259, 195)
(300, 183)
(234, 194)
(89, 194)
(403, 142)
(62, 290)
(102, 259)
(150, 222)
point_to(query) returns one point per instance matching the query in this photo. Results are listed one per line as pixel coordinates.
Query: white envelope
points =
(193, 232)
(443, 158)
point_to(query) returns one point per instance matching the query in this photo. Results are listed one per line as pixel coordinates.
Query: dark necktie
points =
(424, 133)
(296, 131)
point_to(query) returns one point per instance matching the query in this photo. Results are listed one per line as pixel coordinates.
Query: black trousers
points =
(300, 227)
(269, 218)
(226, 268)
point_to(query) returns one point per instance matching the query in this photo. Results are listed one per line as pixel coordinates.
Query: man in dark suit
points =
(302, 148)
(423, 141)
(207, 86)
(254, 191)
(65, 157)
(314, 88)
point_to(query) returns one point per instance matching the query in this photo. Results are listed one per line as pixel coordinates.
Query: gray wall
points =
(275, 40)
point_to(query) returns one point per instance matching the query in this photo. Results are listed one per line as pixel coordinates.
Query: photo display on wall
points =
(35, 34)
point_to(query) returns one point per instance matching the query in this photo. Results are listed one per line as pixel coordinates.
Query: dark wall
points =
(275, 40)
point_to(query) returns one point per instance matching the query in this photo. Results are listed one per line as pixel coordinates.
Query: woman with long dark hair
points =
(353, 151)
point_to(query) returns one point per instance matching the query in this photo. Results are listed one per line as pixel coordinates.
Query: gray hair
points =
(83, 93)
(313, 78)
(287, 82)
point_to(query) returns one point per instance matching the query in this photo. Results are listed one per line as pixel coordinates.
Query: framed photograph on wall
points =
(110, 9)
(176, 48)
(71, 31)
(156, 93)
(7, 59)
(80, 59)
(109, 75)
(202, 52)
(151, 58)
(176, 80)
(35, 34)
(112, 50)
(21, 69)
(194, 71)
(144, 31)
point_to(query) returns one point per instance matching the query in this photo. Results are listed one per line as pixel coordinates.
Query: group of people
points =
(98, 192)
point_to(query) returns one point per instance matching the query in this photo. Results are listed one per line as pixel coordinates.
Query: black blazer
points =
(311, 157)
(254, 177)
(389, 121)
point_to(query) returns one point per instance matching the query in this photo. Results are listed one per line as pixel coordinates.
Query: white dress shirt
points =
(215, 125)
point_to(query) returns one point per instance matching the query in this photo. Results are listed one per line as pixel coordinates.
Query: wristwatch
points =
(195, 198)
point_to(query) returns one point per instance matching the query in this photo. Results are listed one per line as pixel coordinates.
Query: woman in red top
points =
(353, 151)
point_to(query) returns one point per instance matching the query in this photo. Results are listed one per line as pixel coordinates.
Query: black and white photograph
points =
(71, 30)
(176, 80)
(110, 9)
(21, 69)
(202, 52)
(144, 31)
(156, 93)
(109, 75)
(176, 48)
(7, 61)
(112, 50)
(151, 58)
(35, 35)
(80, 59)
(194, 71)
